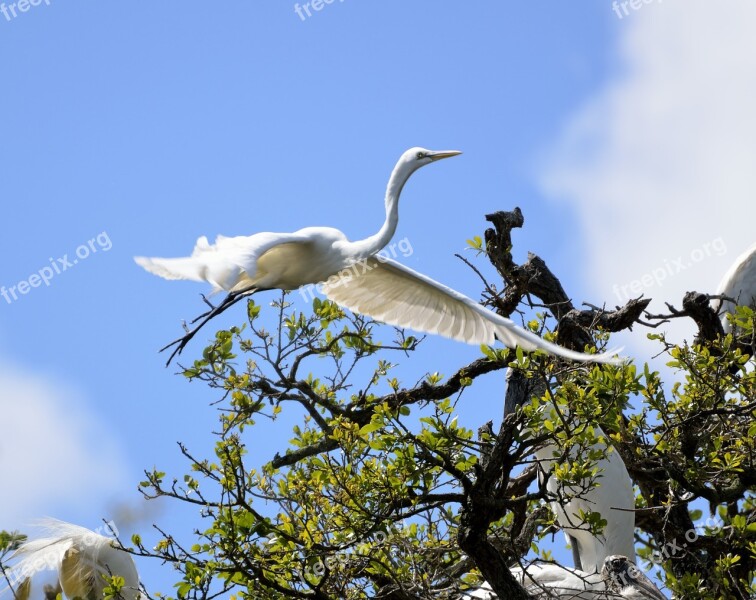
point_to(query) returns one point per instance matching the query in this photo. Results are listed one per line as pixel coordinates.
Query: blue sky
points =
(627, 142)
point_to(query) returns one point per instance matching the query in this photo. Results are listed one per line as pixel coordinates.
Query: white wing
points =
(229, 263)
(552, 581)
(390, 292)
(81, 556)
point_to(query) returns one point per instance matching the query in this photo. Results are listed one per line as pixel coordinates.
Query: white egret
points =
(625, 580)
(81, 557)
(355, 277)
(739, 283)
(613, 498)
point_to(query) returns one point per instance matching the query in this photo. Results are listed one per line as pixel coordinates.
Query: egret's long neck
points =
(375, 243)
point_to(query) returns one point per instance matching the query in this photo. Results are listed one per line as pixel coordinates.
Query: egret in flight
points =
(738, 283)
(355, 277)
(81, 557)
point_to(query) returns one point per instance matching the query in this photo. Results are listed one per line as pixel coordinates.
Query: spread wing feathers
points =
(81, 556)
(390, 292)
(229, 262)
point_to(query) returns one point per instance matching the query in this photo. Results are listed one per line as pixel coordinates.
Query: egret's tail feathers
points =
(188, 268)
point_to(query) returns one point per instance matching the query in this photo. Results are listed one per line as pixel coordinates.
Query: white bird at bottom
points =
(355, 276)
(619, 578)
(548, 580)
(81, 556)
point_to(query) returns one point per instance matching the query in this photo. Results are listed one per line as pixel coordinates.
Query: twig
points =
(228, 302)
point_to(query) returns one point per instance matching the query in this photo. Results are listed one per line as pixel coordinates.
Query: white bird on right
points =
(739, 283)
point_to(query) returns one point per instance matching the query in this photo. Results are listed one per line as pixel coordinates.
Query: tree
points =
(381, 493)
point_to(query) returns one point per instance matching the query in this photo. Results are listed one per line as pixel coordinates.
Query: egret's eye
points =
(420, 155)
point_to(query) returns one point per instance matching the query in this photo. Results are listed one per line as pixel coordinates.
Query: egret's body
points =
(354, 276)
(81, 557)
(613, 499)
(281, 260)
(738, 283)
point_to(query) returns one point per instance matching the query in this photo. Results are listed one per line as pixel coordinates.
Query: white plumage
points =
(81, 557)
(739, 283)
(619, 578)
(613, 499)
(546, 580)
(395, 294)
(354, 276)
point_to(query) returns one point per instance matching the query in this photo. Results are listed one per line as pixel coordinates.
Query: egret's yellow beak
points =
(443, 154)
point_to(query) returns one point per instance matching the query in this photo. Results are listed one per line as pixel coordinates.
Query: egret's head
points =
(409, 162)
(414, 158)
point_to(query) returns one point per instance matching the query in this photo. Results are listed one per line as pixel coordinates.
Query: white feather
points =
(546, 580)
(739, 283)
(390, 292)
(381, 289)
(613, 498)
(81, 558)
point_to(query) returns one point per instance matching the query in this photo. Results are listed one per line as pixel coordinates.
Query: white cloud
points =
(54, 455)
(659, 164)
